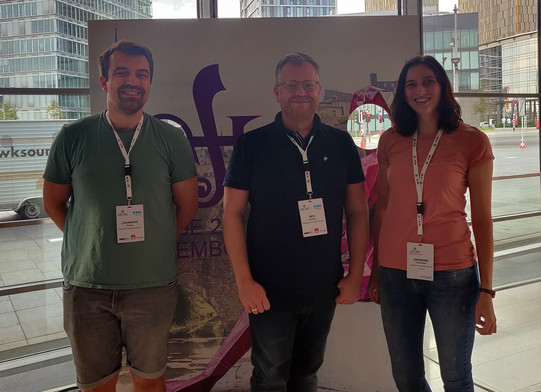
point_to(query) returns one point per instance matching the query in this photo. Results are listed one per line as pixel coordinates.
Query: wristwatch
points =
(491, 292)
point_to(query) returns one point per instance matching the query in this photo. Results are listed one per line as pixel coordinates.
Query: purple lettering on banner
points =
(206, 85)
(196, 227)
(183, 250)
(201, 251)
(215, 248)
(217, 223)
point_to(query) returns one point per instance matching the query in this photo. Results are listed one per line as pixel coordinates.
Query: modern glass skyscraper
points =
(44, 44)
(285, 8)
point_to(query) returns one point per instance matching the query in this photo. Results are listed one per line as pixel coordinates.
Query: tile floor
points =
(509, 361)
(30, 318)
(29, 253)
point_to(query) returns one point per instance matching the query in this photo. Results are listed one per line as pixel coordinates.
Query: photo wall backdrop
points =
(215, 78)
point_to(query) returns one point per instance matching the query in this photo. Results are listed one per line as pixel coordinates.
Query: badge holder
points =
(130, 220)
(311, 211)
(420, 256)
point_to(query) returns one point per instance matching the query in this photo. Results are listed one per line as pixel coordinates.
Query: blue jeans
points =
(450, 301)
(288, 342)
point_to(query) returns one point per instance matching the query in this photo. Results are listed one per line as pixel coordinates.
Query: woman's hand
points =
(485, 318)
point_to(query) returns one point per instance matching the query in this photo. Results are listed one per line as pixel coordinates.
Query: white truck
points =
(24, 148)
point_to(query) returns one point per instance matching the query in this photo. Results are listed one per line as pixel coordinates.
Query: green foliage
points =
(482, 108)
(8, 112)
(53, 111)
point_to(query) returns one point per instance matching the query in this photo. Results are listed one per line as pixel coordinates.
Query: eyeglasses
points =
(292, 86)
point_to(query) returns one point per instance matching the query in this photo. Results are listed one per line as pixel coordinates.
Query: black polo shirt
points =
(267, 164)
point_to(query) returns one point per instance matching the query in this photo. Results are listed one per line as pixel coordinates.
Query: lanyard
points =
(126, 154)
(419, 178)
(305, 164)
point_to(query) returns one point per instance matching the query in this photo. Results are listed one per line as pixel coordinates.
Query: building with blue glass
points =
(43, 44)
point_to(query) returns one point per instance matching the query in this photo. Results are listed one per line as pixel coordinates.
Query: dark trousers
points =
(288, 342)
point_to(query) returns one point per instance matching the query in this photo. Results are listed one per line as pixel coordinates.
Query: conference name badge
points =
(130, 223)
(312, 214)
(420, 261)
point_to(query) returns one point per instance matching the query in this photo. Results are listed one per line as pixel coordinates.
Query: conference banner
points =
(215, 78)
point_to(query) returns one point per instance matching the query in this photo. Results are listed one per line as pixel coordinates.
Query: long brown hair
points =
(449, 112)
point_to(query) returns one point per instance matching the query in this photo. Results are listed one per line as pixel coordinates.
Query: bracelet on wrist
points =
(488, 291)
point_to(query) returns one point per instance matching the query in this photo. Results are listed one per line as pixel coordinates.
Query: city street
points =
(510, 159)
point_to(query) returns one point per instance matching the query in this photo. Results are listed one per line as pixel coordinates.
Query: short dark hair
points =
(129, 48)
(449, 112)
(295, 58)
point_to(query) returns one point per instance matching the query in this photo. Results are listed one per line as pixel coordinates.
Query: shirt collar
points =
(316, 127)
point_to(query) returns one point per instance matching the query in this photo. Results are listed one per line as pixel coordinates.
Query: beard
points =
(128, 104)
(306, 112)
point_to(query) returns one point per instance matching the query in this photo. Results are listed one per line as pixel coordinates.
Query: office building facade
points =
(44, 44)
(286, 8)
(502, 19)
(508, 55)
(429, 6)
(505, 57)
(438, 38)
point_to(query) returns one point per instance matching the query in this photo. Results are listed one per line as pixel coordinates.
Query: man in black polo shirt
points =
(299, 176)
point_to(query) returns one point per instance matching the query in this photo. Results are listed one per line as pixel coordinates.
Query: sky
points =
(173, 9)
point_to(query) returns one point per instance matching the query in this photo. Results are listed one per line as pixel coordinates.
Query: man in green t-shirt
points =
(132, 188)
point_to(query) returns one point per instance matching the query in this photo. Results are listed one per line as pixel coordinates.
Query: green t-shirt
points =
(86, 155)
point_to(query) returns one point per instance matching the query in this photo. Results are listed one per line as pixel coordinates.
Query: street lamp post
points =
(455, 59)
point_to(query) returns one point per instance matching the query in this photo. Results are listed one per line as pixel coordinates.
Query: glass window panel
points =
(474, 81)
(447, 39)
(464, 40)
(33, 316)
(429, 41)
(438, 40)
(17, 105)
(464, 60)
(474, 59)
(509, 67)
(187, 9)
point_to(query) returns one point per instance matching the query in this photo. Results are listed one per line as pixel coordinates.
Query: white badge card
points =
(130, 223)
(420, 261)
(312, 215)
